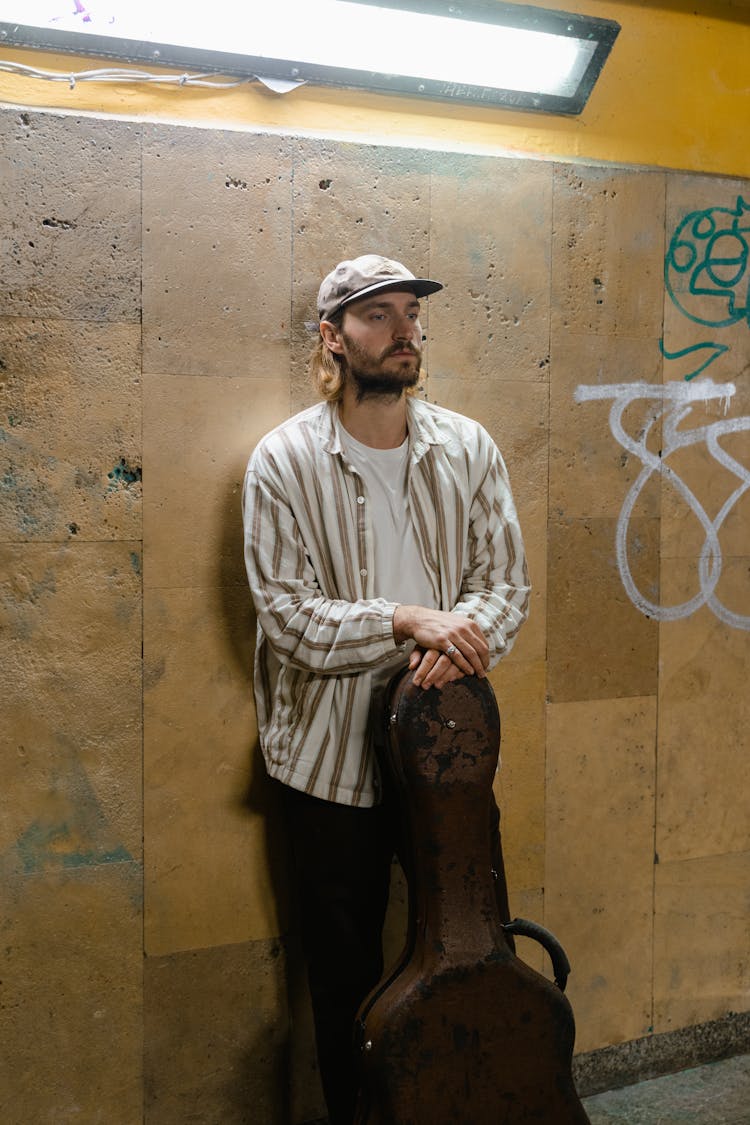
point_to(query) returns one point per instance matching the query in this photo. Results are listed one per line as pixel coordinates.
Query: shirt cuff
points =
(388, 637)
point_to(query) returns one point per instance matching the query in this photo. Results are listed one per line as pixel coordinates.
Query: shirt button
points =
(360, 499)
(363, 573)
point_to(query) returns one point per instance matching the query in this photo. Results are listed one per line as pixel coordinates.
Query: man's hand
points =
(449, 645)
(433, 669)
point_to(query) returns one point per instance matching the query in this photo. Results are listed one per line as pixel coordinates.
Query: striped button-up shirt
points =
(322, 635)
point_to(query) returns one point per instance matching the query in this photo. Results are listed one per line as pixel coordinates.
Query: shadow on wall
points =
(258, 797)
(276, 1076)
(275, 1080)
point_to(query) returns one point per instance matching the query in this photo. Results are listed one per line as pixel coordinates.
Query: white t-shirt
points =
(400, 574)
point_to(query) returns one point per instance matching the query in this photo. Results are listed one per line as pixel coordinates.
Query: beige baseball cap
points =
(370, 273)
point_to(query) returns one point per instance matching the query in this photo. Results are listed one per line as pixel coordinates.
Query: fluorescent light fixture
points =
(481, 51)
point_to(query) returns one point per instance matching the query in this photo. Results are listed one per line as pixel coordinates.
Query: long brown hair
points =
(328, 370)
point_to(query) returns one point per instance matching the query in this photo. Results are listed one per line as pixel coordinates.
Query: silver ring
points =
(450, 650)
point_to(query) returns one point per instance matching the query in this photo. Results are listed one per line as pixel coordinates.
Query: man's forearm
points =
(404, 623)
(453, 635)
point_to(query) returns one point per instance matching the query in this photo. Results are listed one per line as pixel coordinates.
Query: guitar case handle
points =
(560, 962)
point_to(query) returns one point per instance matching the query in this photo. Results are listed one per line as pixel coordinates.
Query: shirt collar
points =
(328, 428)
(423, 431)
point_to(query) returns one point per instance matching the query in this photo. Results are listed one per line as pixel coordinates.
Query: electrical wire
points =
(118, 74)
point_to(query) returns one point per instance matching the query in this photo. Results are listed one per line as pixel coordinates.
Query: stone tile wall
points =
(158, 281)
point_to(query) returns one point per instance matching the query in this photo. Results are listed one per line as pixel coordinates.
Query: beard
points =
(369, 375)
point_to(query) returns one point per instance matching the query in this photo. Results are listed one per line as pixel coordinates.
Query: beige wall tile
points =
(606, 219)
(599, 860)
(607, 938)
(209, 814)
(491, 324)
(351, 199)
(600, 794)
(71, 717)
(701, 938)
(599, 645)
(590, 471)
(71, 187)
(217, 1035)
(216, 252)
(71, 1019)
(704, 715)
(198, 435)
(70, 430)
(516, 418)
(520, 691)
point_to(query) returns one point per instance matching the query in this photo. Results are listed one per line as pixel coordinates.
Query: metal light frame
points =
(602, 32)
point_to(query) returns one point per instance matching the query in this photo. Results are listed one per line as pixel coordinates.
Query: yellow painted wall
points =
(674, 93)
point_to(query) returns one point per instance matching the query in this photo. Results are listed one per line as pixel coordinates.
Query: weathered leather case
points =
(460, 1032)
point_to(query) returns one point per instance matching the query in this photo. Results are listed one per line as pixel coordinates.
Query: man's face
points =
(381, 341)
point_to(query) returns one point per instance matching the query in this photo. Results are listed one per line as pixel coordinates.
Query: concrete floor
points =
(716, 1094)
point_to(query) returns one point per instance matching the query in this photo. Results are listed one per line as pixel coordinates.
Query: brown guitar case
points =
(460, 1032)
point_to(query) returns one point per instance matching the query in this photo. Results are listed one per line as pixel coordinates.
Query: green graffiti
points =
(708, 258)
(44, 846)
(124, 474)
(706, 275)
(716, 351)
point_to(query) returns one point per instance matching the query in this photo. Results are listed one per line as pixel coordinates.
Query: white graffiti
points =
(677, 401)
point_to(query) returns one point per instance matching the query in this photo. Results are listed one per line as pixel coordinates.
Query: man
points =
(380, 531)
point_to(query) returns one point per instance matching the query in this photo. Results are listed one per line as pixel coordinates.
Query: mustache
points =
(405, 347)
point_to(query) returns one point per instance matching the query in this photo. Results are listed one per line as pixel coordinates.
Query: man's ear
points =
(331, 337)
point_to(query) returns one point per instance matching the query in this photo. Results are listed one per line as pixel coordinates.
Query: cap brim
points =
(419, 286)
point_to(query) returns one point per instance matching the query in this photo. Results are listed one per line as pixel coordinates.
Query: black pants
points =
(342, 859)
